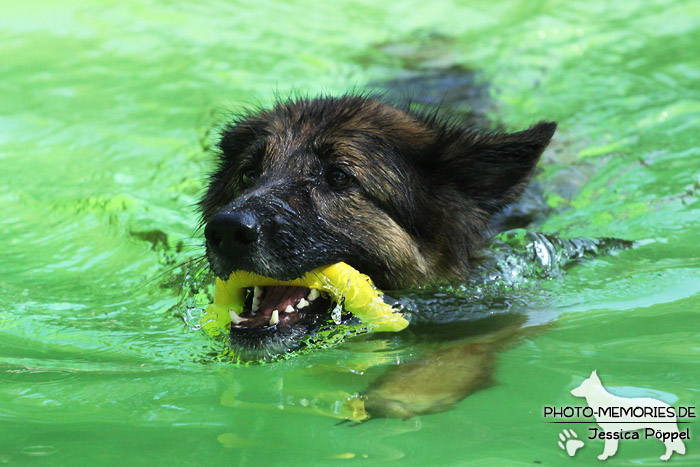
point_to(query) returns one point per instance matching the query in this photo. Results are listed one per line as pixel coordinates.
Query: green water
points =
(105, 112)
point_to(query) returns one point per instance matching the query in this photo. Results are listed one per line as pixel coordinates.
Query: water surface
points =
(106, 117)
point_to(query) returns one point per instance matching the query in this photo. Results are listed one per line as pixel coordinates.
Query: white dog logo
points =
(615, 422)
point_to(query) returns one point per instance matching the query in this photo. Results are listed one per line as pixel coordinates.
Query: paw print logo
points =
(569, 442)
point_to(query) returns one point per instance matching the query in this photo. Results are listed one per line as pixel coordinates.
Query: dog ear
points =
(493, 169)
(235, 138)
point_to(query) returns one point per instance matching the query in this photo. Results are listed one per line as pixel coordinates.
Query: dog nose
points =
(231, 232)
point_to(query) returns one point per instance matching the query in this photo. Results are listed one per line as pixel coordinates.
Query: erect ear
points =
(493, 169)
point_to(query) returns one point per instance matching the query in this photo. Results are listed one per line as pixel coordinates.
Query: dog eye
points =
(248, 177)
(338, 178)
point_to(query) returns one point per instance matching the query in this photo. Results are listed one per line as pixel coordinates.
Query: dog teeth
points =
(289, 309)
(257, 292)
(313, 295)
(235, 319)
(302, 303)
(275, 318)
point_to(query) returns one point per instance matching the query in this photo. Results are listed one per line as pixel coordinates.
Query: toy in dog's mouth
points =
(278, 306)
(265, 317)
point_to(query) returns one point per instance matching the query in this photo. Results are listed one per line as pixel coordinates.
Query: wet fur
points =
(423, 189)
(422, 192)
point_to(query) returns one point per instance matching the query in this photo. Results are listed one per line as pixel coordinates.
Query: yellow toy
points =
(346, 285)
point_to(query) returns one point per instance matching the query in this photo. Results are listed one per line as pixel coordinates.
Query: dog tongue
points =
(279, 297)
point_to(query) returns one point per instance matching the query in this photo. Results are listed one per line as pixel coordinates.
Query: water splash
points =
(516, 256)
(506, 278)
(196, 294)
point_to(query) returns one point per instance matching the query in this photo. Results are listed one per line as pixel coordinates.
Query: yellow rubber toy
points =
(346, 285)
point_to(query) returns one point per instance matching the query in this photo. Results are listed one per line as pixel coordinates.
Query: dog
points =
(402, 196)
(614, 426)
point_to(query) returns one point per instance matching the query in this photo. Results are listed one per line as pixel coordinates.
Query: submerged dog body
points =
(401, 196)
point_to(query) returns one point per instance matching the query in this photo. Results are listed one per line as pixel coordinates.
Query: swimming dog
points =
(402, 196)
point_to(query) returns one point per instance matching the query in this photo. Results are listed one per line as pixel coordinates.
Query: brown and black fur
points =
(401, 196)
(420, 194)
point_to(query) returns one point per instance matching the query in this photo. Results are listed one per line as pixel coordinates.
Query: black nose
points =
(232, 232)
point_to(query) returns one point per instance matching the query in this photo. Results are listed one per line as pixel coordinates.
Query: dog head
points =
(402, 197)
